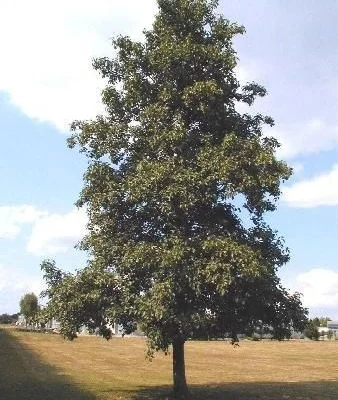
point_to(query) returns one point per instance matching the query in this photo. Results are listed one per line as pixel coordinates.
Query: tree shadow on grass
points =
(320, 390)
(23, 376)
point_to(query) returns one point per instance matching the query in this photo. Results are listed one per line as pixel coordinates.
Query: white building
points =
(333, 326)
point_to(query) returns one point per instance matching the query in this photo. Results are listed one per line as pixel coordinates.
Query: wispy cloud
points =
(47, 48)
(18, 280)
(12, 219)
(309, 138)
(50, 233)
(57, 233)
(321, 190)
(319, 287)
(14, 284)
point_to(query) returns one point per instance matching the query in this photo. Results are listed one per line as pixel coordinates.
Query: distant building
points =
(333, 326)
(23, 323)
(117, 330)
(53, 324)
(21, 320)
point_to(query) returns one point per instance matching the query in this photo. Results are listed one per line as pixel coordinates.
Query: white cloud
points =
(57, 233)
(47, 48)
(319, 287)
(297, 167)
(11, 278)
(322, 190)
(50, 233)
(309, 138)
(13, 217)
(13, 285)
(243, 74)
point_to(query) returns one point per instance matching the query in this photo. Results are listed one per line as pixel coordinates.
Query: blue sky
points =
(46, 81)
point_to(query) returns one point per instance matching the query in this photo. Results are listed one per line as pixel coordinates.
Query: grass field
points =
(37, 366)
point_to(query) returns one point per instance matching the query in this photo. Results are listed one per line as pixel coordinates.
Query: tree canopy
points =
(311, 330)
(29, 306)
(8, 318)
(177, 186)
(320, 321)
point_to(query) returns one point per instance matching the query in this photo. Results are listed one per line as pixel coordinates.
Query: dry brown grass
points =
(215, 370)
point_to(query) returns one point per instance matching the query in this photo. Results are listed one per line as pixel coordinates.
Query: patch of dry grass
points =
(215, 370)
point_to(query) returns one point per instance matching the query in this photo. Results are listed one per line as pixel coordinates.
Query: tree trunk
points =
(181, 391)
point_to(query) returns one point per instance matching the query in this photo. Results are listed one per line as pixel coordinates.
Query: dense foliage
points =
(176, 189)
(320, 321)
(29, 306)
(311, 330)
(8, 318)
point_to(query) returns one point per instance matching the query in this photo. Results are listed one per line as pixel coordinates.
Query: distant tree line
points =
(311, 330)
(321, 321)
(8, 318)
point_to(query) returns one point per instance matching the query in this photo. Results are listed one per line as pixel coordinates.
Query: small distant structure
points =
(333, 326)
(21, 320)
(53, 324)
(23, 323)
(117, 330)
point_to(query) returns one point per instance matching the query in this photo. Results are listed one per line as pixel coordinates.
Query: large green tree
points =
(176, 189)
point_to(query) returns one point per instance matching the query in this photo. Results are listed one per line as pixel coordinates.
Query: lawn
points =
(37, 366)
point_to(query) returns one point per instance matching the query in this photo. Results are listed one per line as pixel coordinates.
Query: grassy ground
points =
(45, 367)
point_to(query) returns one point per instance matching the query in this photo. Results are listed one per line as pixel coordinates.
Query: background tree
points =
(8, 318)
(29, 306)
(324, 320)
(176, 190)
(311, 330)
(330, 334)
